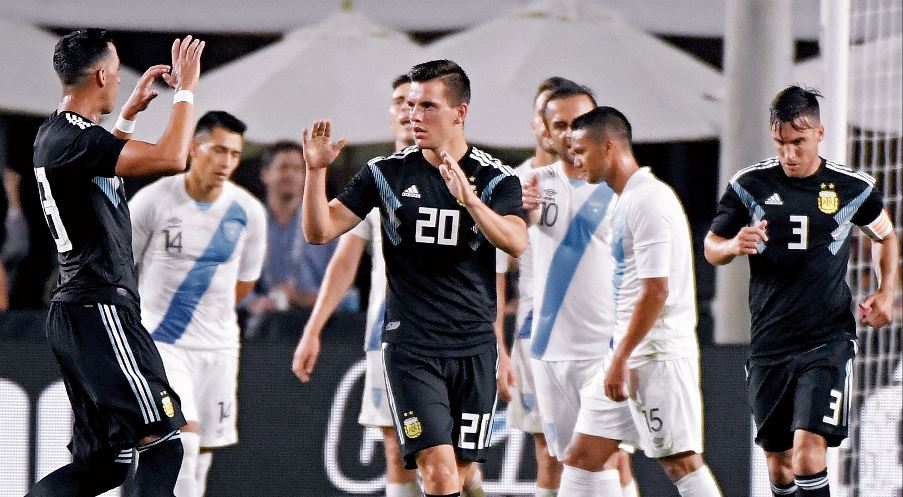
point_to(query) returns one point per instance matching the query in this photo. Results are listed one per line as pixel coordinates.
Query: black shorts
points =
(442, 401)
(114, 378)
(810, 391)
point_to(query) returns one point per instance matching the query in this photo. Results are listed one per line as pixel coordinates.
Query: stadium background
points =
(303, 440)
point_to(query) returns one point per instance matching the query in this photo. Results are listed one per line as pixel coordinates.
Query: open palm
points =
(319, 149)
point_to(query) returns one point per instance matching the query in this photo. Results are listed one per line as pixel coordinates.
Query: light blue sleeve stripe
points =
(564, 264)
(390, 202)
(485, 197)
(186, 298)
(844, 220)
(755, 210)
(106, 186)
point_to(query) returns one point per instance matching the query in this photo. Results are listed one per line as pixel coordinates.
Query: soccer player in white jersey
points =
(654, 365)
(400, 482)
(523, 411)
(571, 325)
(199, 242)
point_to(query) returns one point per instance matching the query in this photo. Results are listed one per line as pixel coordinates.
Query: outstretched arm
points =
(170, 154)
(336, 282)
(877, 309)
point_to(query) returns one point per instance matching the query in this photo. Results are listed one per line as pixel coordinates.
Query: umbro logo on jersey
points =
(173, 220)
(774, 199)
(411, 191)
(78, 121)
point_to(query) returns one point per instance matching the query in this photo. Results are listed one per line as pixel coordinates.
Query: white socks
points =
(186, 485)
(699, 483)
(630, 490)
(409, 489)
(546, 492)
(576, 482)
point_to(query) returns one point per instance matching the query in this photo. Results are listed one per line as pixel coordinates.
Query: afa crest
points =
(828, 202)
(167, 404)
(412, 426)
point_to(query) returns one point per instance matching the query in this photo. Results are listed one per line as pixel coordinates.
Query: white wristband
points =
(183, 96)
(124, 125)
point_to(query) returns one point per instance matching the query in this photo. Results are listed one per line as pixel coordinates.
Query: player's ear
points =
(819, 133)
(101, 76)
(461, 110)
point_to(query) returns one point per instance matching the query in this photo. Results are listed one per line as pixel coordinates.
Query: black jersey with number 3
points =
(798, 293)
(86, 210)
(440, 268)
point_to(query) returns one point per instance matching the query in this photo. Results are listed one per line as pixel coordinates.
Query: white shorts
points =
(558, 386)
(523, 412)
(375, 405)
(663, 413)
(207, 384)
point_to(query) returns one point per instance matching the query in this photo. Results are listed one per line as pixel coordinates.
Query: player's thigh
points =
(111, 366)
(666, 406)
(375, 410)
(217, 398)
(822, 395)
(770, 394)
(419, 401)
(602, 417)
(473, 393)
(523, 411)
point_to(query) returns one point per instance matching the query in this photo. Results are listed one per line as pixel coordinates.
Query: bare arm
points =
(648, 307)
(720, 250)
(877, 309)
(170, 154)
(505, 375)
(508, 233)
(243, 288)
(322, 220)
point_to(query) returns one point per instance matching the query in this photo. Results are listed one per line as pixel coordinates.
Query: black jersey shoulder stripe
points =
(397, 155)
(487, 160)
(868, 179)
(765, 164)
(77, 120)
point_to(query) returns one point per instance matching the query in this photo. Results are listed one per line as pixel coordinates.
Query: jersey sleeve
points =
(251, 263)
(870, 209)
(730, 216)
(363, 230)
(94, 152)
(142, 212)
(507, 199)
(650, 222)
(361, 194)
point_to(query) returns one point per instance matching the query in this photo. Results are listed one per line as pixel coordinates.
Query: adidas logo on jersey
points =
(411, 191)
(76, 120)
(774, 199)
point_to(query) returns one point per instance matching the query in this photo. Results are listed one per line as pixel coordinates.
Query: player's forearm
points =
(646, 312)
(499, 324)
(887, 257)
(315, 220)
(338, 279)
(717, 250)
(508, 233)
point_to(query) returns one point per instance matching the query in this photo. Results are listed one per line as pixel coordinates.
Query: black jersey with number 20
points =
(798, 293)
(86, 210)
(440, 268)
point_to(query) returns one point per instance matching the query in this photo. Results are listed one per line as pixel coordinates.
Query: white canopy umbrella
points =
(666, 93)
(876, 84)
(340, 68)
(28, 83)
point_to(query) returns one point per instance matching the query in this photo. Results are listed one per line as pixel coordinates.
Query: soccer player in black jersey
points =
(443, 205)
(113, 373)
(792, 215)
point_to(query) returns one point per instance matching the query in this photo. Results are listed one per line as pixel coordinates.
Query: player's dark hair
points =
(76, 52)
(792, 103)
(270, 153)
(219, 119)
(568, 89)
(400, 80)
(552, 83)
(457, 84)
(605, 122)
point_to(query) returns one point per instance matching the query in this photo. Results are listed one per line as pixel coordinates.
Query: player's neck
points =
(457, 147)
(623, 170)
(81, 104)
(402, 144)
(542, 158)
(198, 191)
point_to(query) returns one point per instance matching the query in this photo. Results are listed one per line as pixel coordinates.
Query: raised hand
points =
(186, 63)
(455, 179)
(748, 239)
(143, 93)
(319, 149)
(532, 200)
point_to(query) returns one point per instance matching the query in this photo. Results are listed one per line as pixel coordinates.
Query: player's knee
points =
(437, 471)
(808, 460)
(680, 465)
(579, 455)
